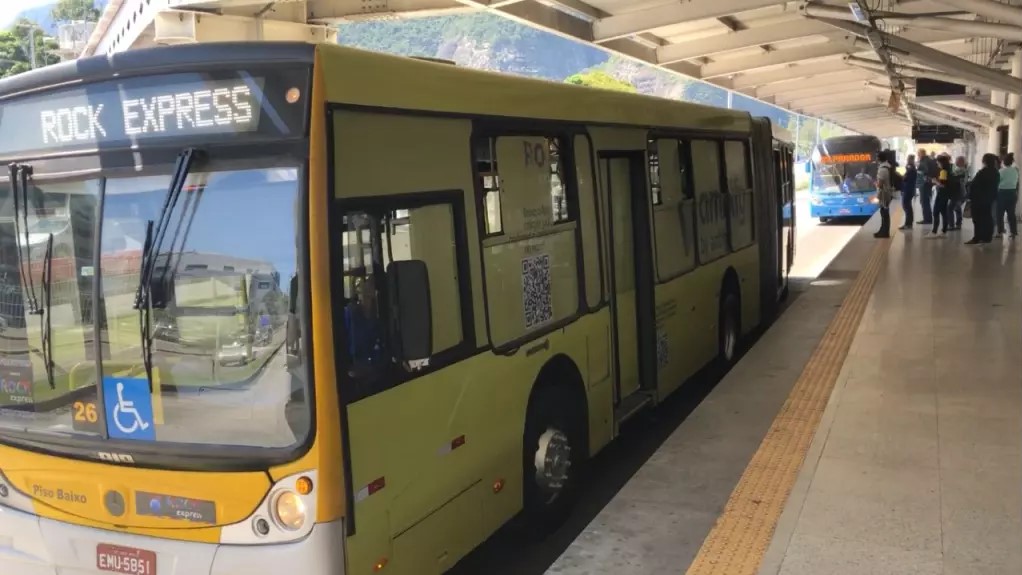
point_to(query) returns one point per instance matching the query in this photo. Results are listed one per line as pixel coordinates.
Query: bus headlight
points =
(287, 513)
(289, 510)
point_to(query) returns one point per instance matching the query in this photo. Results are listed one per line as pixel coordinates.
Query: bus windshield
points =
(845, 165)
(847, 178)
(220, 375)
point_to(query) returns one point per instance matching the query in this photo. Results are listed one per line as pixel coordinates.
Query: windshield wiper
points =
(44, 317)
(155, 232)
(20, 174)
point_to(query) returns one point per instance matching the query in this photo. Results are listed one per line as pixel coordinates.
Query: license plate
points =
(117, 559)
(844, 211)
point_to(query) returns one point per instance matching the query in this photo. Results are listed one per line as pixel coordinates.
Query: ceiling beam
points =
(800, 71)
(938, 118)
(727, 67)
(844, 106)
(912, 49)
(811, 86)
(837, 46)
(749, 38)
(874, 111)
(638, 21)
(962, 115)
(928, 21)
(979, 105)
(989, 8)
(851, 95)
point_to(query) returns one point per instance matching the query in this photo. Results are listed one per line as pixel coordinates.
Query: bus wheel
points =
(730, 327)
(551, 457)
(824, 219)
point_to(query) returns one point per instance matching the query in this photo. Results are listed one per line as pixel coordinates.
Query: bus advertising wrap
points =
(153, 109)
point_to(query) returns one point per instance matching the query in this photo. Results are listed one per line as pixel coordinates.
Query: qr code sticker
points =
(663, 352)
(536, 299)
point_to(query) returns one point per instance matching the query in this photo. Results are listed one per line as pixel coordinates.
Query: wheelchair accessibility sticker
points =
(129, 408)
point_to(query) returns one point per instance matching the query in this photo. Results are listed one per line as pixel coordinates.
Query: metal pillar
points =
(1015, 126)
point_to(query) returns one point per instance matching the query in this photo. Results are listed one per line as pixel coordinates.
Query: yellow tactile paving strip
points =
(738, 541)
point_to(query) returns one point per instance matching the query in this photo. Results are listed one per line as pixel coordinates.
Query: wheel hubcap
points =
(553, 460)
(730, 337)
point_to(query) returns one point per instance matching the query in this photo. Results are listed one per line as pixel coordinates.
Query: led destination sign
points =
(184, 112)
(847, 158)
(136, 110)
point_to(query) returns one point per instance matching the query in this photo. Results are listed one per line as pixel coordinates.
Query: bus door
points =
(789, 200)
(782, 215)
(631, 266)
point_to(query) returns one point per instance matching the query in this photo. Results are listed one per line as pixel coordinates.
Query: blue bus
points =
(843, 174)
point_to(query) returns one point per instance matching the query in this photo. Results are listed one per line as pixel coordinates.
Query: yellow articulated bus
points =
(486, 276)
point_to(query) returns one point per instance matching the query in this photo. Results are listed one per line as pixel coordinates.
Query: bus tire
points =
(824, 219)
(553, 451)
(730, 332)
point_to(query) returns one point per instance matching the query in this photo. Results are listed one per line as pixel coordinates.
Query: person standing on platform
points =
(908, 192)
(961, 173)
(928, 171)
(885, 193)
(942, 205)
(982, 195)
(1007, 196)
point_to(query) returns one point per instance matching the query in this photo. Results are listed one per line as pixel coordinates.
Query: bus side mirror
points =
(411, 313)
(292, 295)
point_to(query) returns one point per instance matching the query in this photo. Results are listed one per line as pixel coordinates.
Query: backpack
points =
(897, 180)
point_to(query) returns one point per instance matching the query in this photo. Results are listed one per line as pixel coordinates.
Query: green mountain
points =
(489, 42)
(483, 41)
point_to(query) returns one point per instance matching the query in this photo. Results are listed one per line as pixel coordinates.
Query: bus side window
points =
(710, 200)
(372, 240)
(531, 271)
(673, 209)
(740, 194)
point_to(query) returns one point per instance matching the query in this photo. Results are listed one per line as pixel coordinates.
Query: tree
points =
(600, 79)
(75, 10)
(15, 48)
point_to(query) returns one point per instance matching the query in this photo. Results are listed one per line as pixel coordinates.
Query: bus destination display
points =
(864, 157)
(183, 112)
(131, 111)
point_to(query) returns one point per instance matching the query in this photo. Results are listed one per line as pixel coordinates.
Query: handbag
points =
(967, 209)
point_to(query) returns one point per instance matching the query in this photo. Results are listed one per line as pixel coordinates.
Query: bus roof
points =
(383, 81)
(159, 60)
(854, 139)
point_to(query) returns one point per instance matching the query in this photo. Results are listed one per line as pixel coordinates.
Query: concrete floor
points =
(917, 465)
(659, 519)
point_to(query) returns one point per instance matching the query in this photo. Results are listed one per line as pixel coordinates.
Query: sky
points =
(9, 9)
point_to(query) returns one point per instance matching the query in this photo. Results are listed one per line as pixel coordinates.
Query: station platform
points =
(874, 428)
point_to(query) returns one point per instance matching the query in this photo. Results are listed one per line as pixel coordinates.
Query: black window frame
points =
(455, 199)
(486, 128)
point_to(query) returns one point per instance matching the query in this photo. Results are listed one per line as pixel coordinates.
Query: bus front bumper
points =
(30, 545)
(843, 211)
